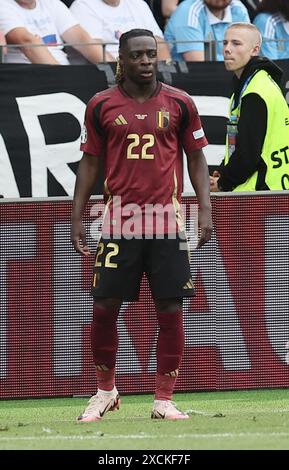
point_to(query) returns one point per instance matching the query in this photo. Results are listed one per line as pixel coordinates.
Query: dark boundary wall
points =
(237, 326)
(42, 110)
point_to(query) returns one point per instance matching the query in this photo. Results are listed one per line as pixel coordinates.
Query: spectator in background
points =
(3, 44)
(251, 6)
(162, 10)
(108, 19)
(258, 128)
(202, 20)
(43, 23)
(272, 21)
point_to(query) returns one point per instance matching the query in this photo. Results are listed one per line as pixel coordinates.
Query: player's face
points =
(140, 60)
(239, 46)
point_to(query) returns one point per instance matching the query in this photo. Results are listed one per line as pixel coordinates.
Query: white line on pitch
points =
(145, 436)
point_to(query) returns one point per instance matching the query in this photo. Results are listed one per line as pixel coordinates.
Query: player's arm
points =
(87, 174)
(38, 53)
(199, 176)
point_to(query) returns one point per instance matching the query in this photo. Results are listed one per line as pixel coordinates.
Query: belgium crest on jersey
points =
(163, 119)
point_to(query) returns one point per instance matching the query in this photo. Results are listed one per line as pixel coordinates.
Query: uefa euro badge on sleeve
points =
(232, 131)
(83, 137)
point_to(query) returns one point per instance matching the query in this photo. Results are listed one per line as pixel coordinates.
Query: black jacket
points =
(252, 127)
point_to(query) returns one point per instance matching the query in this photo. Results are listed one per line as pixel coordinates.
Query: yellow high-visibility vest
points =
(275, 150)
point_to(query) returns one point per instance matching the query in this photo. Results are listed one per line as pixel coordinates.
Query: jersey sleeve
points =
(185, 30)
(189, 39)
(265, 24)
(193, 136)
(91, 136)
(240, 13)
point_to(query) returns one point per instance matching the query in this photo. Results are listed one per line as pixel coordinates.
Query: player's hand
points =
(206, 226)
(78, 238)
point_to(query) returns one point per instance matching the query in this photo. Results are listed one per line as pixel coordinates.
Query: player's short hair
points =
(250, 27)
(133, 33)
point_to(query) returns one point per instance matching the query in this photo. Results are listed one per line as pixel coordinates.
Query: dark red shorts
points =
(120, 264)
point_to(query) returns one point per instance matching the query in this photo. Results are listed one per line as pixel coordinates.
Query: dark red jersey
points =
(142, 144)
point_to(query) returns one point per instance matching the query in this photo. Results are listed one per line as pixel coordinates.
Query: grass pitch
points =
(219, 420)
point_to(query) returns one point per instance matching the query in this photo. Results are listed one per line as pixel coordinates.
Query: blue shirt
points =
(272, 28)
(193, 21)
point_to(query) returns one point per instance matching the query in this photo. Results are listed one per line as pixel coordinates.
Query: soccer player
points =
(139, 128)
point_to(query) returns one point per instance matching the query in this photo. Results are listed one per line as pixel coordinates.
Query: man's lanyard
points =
(233, 106)
(232, 124)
